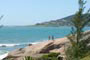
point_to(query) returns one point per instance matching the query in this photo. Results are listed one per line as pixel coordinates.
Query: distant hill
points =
(59, 22)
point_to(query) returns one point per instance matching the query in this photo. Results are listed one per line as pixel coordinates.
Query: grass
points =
(86, 58)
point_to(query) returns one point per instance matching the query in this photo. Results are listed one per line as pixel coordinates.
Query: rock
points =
(29, 44)
(16, 53)
(37, 50)
(3, 46)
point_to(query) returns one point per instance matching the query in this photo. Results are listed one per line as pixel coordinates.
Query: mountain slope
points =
(59, 22)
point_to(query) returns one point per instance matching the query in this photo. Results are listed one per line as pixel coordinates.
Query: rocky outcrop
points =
(37, 50)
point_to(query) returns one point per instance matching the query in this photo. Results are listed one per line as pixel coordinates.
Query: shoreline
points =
(35, 49)
(17, 44)
(3, 56)
(33, 46)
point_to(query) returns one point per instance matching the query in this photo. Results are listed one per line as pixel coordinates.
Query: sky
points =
(29, 12)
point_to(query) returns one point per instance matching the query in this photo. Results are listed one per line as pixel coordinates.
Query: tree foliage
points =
(78, 46)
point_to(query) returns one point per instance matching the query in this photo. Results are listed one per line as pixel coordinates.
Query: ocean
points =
(18, 37)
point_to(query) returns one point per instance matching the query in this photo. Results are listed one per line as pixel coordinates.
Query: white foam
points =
(12, 45)
(8, 45)
(35, 43)
(3, 56)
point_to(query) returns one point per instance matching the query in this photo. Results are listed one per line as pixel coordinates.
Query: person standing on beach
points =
(52, 37)
(49, 37)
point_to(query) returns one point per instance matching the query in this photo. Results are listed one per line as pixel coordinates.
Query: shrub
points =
(28, 58)
(50, 56)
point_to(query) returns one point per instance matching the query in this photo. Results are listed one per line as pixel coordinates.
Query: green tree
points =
(78, 44)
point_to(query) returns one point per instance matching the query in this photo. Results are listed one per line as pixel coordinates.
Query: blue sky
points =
(28, 12)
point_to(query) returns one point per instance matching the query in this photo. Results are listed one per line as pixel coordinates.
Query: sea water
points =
(18, 37)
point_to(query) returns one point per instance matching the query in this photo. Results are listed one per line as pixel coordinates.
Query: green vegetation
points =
(59, 22)
(86, 58)
(28, 58)
(79, 45)
(79, 48)
(56, 23)
(49, 56)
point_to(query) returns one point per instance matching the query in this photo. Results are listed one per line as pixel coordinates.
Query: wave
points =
(3, 56)
(8, 45)
(13, 45)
